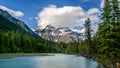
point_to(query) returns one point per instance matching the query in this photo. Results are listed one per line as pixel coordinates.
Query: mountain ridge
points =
(13, 22)
(61, 34)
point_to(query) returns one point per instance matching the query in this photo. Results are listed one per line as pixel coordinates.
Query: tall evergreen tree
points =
(88, 35)
(116, 21)
(108, 32)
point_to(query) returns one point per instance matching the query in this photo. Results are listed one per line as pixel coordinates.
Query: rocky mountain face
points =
(14, 23)
(61, 34)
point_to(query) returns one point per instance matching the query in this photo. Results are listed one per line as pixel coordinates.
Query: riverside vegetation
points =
(104, 46)
(10, 55)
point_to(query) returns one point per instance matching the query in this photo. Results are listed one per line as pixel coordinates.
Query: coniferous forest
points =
(104, 46)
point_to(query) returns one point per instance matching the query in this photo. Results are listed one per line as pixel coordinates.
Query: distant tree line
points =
(15, 42)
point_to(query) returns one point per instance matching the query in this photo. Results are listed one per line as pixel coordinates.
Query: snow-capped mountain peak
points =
(61, 34)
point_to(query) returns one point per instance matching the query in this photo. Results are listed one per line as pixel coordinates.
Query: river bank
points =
(9, 55)
(105, 62)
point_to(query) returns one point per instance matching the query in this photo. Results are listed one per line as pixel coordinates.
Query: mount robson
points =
(16, 36)
(78, 49)
(61, 34)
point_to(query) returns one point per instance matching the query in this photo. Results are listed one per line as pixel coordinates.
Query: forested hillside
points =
(13, 40)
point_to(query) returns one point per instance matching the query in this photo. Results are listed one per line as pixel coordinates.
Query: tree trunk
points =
(113, 61)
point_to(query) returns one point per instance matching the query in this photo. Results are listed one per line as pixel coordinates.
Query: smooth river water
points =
(57, 61)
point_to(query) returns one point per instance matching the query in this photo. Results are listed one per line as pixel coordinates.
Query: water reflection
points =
(65, 61)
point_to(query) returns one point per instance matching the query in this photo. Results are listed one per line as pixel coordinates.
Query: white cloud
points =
(12, 12)
(102, 3)
(93, 11)
(67, 16)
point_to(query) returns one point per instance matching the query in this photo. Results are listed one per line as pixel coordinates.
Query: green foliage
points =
(5, 25)
(15, 42)
(105, 44)
(109, 32)
(14, 38)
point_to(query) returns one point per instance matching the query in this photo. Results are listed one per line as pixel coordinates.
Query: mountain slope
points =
(9, 23)
(6, 25)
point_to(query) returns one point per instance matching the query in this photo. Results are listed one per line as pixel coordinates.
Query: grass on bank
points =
(8, 55)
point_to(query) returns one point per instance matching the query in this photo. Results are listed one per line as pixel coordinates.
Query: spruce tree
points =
(109, 32)
(116, 21)
(88, 35)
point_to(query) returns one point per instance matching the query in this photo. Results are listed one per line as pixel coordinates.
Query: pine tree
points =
(108, 32)
(88, 35)
(116, 21)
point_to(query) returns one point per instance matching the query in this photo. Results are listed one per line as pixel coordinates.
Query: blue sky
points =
(32, 8)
